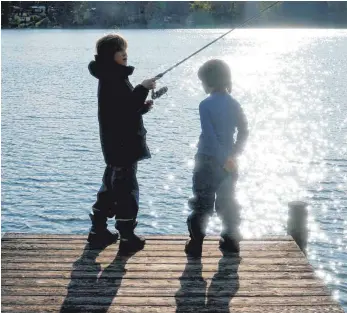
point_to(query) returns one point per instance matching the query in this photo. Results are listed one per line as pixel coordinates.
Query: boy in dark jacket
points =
(215, 173)
(123, 142)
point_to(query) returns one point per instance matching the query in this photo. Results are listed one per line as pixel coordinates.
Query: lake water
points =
(291, 83)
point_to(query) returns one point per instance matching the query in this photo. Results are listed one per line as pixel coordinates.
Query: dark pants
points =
(213, 187)
(119, 193)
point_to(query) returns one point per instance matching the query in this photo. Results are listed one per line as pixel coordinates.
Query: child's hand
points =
(149, 104)
(149, 83)
(230, 165)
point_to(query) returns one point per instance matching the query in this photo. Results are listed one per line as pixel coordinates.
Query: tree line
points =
(178, 14)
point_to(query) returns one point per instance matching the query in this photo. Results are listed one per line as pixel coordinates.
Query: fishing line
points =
(163, 90)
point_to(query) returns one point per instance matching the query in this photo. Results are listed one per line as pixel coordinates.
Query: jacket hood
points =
(101, 69)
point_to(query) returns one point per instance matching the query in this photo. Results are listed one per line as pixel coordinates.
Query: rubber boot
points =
(230, 237)
(99, 236)
(196, 225)
(193, 247)
(229, 244)
(129, 241)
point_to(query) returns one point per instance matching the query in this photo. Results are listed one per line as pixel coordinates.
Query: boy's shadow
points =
(224, 286)
(101, 286)
(192, 293)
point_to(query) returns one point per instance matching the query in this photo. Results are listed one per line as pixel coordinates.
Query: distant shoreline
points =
(185, 28)
(140, 15)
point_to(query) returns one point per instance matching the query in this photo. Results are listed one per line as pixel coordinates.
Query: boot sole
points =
(99, 242)
(126, 248)
(193, 255)
(229, 250)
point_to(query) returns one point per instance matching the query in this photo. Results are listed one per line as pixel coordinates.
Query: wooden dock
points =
(60, 273)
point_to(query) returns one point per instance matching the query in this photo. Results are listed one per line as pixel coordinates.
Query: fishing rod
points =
(163, 90)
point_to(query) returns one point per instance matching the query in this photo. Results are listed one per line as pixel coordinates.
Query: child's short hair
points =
(216, 74)
(108, 45)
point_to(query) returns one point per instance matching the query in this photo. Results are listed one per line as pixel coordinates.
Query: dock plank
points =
(67, 262)
(62, 273)
(110, 252)
(171, 309)
(155, 275)
(151, 245)
(143, 267)
(115, 300)
(165, 283)
(27, 236)
(163, 291)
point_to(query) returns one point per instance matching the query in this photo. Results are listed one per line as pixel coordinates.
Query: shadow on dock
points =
(193, 294)
(95, 283)
(224, 285)
(193, 288)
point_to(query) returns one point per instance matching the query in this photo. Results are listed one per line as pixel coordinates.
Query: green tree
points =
(5, 11)
(201, 6)
(64, 12)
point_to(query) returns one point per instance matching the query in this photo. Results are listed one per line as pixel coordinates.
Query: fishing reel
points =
(159, 93)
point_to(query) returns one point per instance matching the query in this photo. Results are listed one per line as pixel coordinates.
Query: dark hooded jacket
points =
(120, 109)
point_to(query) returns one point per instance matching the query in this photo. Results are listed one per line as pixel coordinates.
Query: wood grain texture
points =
(62, 273)
(48, 308)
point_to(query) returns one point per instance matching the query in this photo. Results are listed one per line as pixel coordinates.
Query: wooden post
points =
(297, 223)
